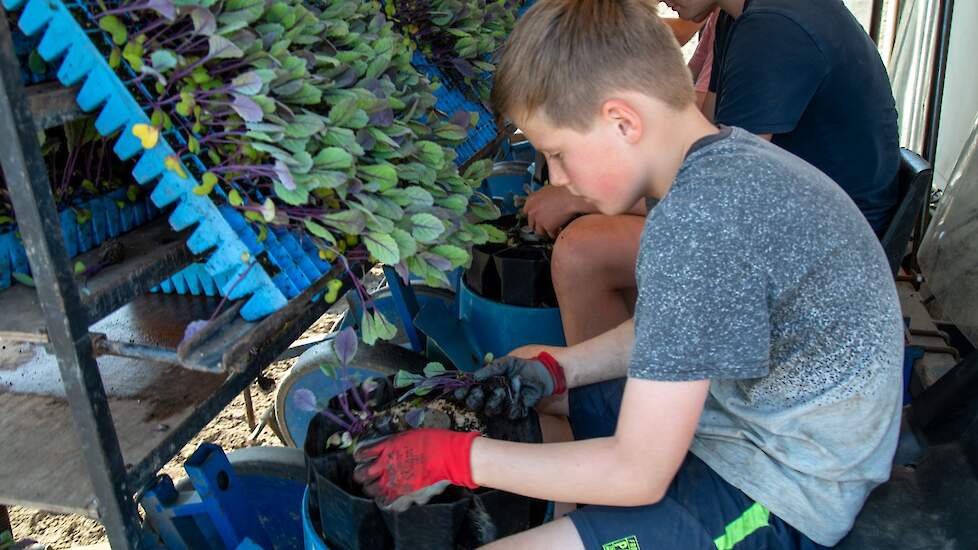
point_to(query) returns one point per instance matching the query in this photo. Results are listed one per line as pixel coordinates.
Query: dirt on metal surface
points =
(229, 430)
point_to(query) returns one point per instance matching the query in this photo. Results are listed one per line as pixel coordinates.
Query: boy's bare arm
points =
(601, 358)
(631, 468)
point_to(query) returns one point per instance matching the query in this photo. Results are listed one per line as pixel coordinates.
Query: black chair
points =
(914, 176)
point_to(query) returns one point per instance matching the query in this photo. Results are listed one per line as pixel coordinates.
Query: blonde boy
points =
(759, 383)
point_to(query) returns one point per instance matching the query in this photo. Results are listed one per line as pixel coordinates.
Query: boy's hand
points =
(551, 208)
(413, 466)
(528, 380)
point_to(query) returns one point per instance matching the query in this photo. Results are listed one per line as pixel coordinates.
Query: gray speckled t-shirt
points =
(757, 272)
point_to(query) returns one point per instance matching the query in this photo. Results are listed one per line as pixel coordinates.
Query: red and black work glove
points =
(411, 467)
(529, 381)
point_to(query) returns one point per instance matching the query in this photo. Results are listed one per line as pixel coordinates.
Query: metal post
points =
(30, 192)
(876, 21)
(934, 105)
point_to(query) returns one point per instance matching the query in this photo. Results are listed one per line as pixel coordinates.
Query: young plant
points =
(312, 119)
(352, 409)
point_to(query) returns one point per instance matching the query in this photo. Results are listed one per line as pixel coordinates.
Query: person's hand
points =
(551, 208)
(526, 382)
(413, 466)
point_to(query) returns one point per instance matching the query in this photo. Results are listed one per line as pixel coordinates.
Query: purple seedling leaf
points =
(345, 346)
(402, 270)
(383, 117)
(204, 21)
(248, 83)
(437, 262)
(166, 8)
(304, 400)
(284, 176)
(247, 109)
(463, 67)
(364, 139)
(461, 118)
(415, 417)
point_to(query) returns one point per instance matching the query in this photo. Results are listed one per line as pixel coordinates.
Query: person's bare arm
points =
(601, 358)
(634, 467)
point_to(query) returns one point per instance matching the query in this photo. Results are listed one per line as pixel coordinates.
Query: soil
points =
(229, 430)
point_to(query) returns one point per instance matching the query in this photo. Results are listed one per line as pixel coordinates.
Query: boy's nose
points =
(558, 177)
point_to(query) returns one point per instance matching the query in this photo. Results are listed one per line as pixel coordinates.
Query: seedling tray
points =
(112, 215)
(229, 242)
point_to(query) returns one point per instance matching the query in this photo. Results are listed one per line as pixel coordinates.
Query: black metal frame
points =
(63, 321)
(935, 104)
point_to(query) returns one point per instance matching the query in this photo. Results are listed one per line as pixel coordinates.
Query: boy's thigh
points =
(700, 511)
(593, 409)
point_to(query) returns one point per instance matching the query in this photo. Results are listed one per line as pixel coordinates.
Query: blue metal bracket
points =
(217, 515)
(407, 307)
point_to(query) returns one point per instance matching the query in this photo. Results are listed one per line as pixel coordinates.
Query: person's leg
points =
(559, 533)
(593, 271)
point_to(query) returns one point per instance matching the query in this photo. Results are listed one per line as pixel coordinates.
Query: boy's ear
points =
(626, 119)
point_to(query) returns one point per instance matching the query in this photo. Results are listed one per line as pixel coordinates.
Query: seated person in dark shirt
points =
(804, 75)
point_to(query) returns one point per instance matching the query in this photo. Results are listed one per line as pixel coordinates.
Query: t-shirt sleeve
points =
(702, 308)
(771, 70)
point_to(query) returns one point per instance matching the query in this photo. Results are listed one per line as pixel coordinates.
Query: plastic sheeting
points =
(910, 68)
(948, 255)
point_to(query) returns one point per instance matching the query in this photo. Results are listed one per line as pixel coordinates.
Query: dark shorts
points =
(700, 509)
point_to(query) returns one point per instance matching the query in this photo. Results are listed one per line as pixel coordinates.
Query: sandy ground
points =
(229, 430)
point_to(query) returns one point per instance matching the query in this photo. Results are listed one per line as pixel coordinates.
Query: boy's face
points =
(692, 10)
(599, 165)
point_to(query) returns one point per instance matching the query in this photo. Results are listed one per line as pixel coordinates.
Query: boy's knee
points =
(574, 250)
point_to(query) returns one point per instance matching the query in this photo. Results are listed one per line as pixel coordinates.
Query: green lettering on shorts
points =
(739, 529)
(627, 543)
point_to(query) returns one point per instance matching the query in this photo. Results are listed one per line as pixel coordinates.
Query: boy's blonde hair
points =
(566, 56)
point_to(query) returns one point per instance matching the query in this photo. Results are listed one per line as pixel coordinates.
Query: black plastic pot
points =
(524, 275)
(482, 276)
(458, 518)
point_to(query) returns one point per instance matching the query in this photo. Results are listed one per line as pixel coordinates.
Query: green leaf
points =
(434, 369)
(431, 154)
(452, 132)
(384, 329)
(295, 197)
(426, 228)
(343, 111)
(79, 267)
(495, 235)
(112, 25)
(478, 170)
(406, 244)
(234, 198)
(132, 193)
(405, 379)
(333, 158)
(458, 256)
(349, 222)
(163, 60)
(385, 174)
(319, 231)
(383, 247)
(304, 126)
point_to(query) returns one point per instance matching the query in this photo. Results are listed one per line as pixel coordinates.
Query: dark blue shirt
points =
(807, 72)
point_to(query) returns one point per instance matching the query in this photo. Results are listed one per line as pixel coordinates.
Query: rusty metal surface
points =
(53, 105)
(151, 253)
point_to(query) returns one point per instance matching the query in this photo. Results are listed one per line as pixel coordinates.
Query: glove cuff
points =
(556, 371)
(460, 464)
